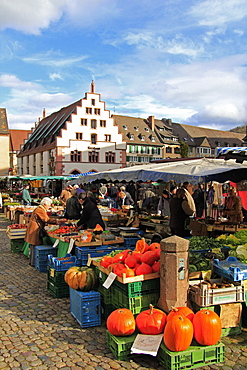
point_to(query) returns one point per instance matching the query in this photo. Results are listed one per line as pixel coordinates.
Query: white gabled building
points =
(79, 138)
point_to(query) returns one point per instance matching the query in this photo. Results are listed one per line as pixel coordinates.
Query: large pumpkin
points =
(178, 333)
(151, 321)
(207, 327)
(81, 278)
(186, 311)
(121, 322)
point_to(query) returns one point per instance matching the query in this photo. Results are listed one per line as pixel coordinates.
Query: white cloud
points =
(218, 12)
(30, 16)
(12, 81)
(55, 76)
(54, 59)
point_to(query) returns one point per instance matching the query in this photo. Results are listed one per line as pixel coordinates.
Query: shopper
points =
(164, 204)
(124, 199)
(26, 197)
(233, 206)
(90, 215)
(65, 195)
(73, 207)
(37, 222)
(180, 211)
(199, 199)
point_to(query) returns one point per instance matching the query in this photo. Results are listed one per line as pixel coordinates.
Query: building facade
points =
(79, 138)
(4, 141)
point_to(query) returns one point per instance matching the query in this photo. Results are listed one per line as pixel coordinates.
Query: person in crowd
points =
(90, 215)
(37, 221)
(1, 199)
(65, 195)
(103, 191)
(131, 189)
(233, 206)
(210, 199)
(163, 205)
(78, 189)
(149, 198)
(199, 199)
(73, 207)
(180, 211)
(124, 199)
(26, 197)
(112, 193)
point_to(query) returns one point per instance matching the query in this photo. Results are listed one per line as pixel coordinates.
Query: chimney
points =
(92, 87)
(44, 113)
(151, 122)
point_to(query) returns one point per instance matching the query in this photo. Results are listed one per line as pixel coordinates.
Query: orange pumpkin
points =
(149, 257)
(178, 333)
(121, 322)
(207, 327)
(186, 311)
(151, 321)
(154, 246)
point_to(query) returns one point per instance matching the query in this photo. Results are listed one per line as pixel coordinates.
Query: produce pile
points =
(144, 259)
(18, 226)
(237, 243)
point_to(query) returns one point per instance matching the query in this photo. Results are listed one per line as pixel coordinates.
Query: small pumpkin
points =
(151, 321)
(149, 257)
(186, 311)
(81, 278)
(121, 322)
(143, 269)
(178, 333)
(207, 327)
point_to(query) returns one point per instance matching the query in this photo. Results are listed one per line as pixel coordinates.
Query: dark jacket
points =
(90, 216)
(73, 209)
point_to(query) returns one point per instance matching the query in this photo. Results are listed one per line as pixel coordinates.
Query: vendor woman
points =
(233, 206)
(90, 215)
(37, 221)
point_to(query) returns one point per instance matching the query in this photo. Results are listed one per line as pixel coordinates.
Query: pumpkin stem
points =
(174, 309)
(151, 309)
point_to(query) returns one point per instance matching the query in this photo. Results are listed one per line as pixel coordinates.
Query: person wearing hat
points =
(37, 222)
(90, 215)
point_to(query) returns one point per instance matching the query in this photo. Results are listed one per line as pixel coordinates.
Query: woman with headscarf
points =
(38, 219)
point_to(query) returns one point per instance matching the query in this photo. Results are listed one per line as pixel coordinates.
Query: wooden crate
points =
(124, 279)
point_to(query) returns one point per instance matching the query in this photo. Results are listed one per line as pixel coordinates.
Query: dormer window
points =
(131, 137)
(136, 128)
(185, 139)
(125, 127)
(152, 138)
(147, 129)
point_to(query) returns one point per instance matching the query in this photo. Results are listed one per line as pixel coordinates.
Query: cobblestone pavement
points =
(38, 332)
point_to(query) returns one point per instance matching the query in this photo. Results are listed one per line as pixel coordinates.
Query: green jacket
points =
(26, 196)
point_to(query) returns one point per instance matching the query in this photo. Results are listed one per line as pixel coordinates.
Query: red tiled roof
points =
(17, 138)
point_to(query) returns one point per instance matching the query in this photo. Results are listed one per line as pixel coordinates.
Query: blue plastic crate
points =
(82, 252)
(85, 307)
(130, 242)
(40, 265)
(42, 251)
(231, 268)
(62, 263)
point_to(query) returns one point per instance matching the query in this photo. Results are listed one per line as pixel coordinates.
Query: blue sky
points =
(180, 59)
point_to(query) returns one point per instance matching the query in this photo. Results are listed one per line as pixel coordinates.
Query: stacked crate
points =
(226, 301)
(135, 295)
(85, 307)
(41, 253)
(16, 245)
(57, 267)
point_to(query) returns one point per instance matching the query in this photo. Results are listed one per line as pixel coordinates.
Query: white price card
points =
(109, 280)
(147, 344)
(55, 244)
(71, 243)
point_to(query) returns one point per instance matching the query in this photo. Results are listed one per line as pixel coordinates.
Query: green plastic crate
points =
(135, 304)
(120, 346)
(55, 277)
(134, 289)
(195, 356)
(16, 245)
(58, 291)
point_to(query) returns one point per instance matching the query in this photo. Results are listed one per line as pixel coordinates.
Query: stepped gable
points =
(45, 133)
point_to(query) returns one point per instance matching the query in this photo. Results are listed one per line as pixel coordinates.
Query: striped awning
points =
(240, 150)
